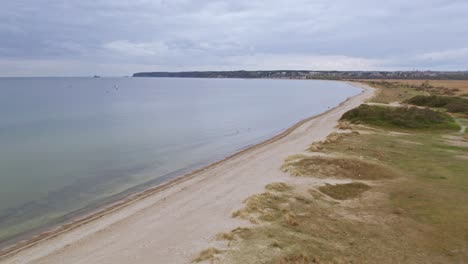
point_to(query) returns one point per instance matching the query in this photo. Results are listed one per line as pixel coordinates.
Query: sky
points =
(118, 38)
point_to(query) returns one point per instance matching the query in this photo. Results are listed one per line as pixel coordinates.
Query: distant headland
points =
(304, 74)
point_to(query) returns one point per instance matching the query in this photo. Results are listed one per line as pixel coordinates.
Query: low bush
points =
(451, 103)
(401, 117)
(457, 107)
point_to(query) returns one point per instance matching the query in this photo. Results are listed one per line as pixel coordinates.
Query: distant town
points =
(302, 74)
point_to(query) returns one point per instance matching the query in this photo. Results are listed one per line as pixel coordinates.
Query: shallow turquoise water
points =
(71, 144)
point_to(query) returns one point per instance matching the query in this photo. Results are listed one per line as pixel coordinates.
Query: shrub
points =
(431, 101)
(451, 103)
(457, 107)
(401, 117)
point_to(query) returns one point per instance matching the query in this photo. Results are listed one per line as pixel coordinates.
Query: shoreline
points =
(132, 199)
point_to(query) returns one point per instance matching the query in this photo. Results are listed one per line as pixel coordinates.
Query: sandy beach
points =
(171, 224)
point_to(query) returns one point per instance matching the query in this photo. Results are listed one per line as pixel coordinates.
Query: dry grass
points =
(225, 236)
(207, 254)
(262, 207)
(291, 219)
(308, 230)
(295, 157)
(278, 187)
(238, 233)
(460, 85)
(400, 90)
(344, 191)
(318, 146)
(332, 167)
(344, 126)
(297, 259)
(391, 92)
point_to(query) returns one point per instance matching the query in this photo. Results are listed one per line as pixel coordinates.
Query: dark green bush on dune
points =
(457, 107)
(401, 117)
(451, 103)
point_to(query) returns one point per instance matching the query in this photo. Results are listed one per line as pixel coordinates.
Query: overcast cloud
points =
(116, 37)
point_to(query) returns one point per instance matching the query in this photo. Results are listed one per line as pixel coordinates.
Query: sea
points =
(71, 145)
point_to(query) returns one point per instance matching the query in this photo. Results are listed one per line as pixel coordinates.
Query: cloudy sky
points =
(117, 37)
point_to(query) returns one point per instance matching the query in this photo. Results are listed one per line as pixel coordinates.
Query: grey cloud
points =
(204, 34)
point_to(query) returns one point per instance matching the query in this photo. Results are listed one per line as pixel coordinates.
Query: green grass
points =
(400, 117)
(437, 178)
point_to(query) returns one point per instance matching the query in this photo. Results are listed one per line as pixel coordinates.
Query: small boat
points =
(96, 76)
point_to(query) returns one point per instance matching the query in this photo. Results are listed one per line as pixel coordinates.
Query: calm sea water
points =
(71, 144)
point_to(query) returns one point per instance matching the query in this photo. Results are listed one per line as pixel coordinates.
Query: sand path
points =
(173, 225)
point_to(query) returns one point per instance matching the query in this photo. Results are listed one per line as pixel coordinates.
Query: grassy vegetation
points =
(390, 92)
(298, 230)
(261, 207)
(344, 191)
(400, 117)
(278, 186)
(297, 259)
(436, 179)
(334, 167)
(447, 87)
(418, 217)
(238, 233)
(401, 90)
(207, 254)
(451, 103)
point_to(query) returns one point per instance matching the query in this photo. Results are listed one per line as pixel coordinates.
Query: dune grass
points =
(389, 92)
(435, 178)
(334, 167)
(278, 186)
(413, 214)
(445, 87)
(207, 254)
(400, 90)
(344, 191)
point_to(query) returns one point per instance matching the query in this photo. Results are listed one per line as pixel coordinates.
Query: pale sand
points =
(173, 224)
